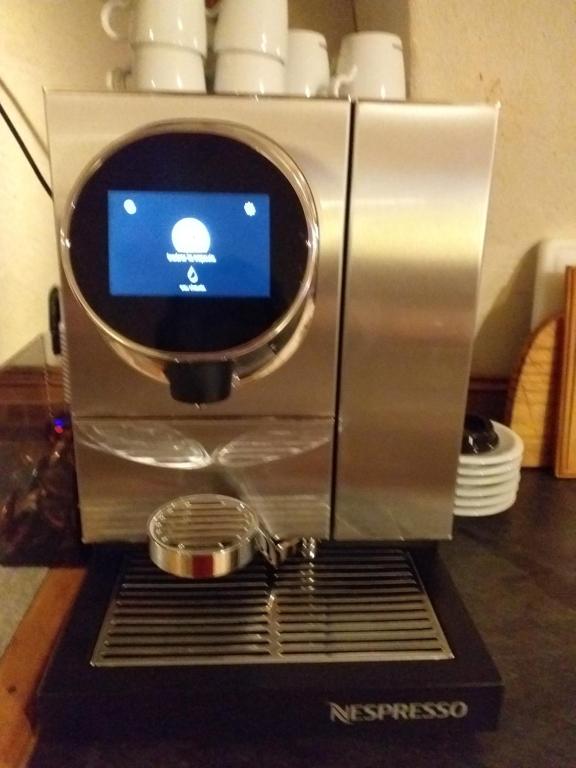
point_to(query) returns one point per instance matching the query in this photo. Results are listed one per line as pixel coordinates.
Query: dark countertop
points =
(517, 575)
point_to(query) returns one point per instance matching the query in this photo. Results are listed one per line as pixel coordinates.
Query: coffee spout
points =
(200, 382)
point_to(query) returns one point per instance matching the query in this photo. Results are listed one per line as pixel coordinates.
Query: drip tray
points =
(343, 638)
(332, 603)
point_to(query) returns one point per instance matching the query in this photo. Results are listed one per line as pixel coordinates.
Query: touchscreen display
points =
(191, 244)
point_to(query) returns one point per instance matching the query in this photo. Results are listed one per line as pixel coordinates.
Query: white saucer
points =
(489, 509)
(509, 448)
(492, 469)
(473, 481)
(483, 502)
(487, 492)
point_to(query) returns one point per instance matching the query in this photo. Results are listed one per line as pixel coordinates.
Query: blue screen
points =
(193, 244)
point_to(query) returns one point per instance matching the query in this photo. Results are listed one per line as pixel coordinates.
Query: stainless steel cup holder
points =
(209, 535)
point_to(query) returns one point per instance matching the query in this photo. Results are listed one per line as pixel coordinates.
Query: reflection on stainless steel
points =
(418, 205)
(154, 443)
(291, 515)
(295, 488)
(274, 443)
(116, 520)
(158, 444)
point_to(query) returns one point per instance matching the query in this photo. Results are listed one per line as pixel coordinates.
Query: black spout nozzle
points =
(198, 383)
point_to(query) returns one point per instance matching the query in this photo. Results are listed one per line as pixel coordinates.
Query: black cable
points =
(24, 149)
(23, 116)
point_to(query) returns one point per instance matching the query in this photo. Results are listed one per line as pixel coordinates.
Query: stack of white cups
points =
(370, 66)
(255, 52)
(168, 42)
(250, 43)
(307, 66)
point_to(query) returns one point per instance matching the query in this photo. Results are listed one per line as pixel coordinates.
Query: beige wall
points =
(518, 52)
(43, 44)
(334, 18)
(521, 53)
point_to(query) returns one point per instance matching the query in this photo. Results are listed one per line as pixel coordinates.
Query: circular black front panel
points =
(172, 168)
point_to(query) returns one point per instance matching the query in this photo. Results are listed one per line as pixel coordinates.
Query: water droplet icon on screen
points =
(192, 275)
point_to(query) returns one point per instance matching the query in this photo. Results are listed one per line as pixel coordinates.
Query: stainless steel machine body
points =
(345, 424)
(269, 307)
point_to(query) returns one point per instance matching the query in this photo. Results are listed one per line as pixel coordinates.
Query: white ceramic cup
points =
(181, 23)
(253, 25)
(245, 72)
(160, 68)
(307, 65)
(370, 66)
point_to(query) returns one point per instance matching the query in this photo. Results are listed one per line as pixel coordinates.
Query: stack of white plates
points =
(487, 483)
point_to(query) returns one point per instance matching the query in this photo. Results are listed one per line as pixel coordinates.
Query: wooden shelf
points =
(24, 661)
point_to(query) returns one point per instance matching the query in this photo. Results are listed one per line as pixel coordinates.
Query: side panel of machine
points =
(420, 188)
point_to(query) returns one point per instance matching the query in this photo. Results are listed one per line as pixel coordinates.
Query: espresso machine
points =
(269, 306)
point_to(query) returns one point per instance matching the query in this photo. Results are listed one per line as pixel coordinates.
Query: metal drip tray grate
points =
(333, 602)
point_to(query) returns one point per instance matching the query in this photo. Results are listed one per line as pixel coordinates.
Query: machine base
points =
(80, 700)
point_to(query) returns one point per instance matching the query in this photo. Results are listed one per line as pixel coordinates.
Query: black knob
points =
(479, 435)
(54, 317)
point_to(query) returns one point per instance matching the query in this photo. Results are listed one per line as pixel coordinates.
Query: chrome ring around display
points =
(275, 155)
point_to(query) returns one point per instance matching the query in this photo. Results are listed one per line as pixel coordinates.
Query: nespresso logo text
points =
(412, 710)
